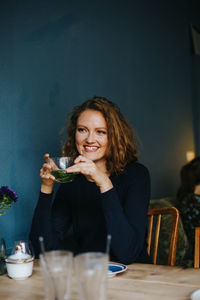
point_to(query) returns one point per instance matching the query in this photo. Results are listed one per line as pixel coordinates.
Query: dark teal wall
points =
(55, 54)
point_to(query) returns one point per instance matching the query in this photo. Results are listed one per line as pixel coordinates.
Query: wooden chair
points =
(196, 247)
(158, 213)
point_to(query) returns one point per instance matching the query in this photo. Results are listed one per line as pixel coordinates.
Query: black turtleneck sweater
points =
(121, 212)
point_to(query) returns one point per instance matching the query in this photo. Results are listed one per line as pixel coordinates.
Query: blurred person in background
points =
(188, 203)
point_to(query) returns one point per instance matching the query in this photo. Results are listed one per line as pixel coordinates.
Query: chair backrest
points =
(156, 214)
(196, 247)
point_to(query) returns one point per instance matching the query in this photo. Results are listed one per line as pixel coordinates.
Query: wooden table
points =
(140, 281)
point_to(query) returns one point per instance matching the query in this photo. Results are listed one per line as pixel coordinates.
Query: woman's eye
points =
(80, 129)
(101, 132)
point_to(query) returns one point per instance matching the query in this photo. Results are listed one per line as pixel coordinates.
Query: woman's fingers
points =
(46, 156)
(85, 168)
(81, 158)
(78, 168)
(46, 167)
(81, 165)
(45, 172)
(46, 176)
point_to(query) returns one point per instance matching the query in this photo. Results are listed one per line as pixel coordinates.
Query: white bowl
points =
(19, 270)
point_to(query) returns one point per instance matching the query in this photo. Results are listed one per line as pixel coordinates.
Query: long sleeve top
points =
(121, 212)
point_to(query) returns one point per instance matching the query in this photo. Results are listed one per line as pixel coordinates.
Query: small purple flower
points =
(7, 191)
(7, 196)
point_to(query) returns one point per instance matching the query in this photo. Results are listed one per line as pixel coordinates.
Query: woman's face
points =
(91, 135)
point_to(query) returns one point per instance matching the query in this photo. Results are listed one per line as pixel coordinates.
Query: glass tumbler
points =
(56, 269)
(91, 273)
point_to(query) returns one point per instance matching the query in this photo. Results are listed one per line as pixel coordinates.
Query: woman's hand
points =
(48, 180)
(92, 172)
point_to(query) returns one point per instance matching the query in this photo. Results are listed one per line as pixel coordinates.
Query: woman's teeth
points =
(90, 148)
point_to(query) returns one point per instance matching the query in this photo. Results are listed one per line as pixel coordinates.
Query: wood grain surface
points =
(140, 281)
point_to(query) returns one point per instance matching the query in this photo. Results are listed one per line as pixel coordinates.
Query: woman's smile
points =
(89, 149)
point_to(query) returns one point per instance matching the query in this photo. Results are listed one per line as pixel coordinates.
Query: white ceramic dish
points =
(19, 270)
(116, 268)
(195, 295)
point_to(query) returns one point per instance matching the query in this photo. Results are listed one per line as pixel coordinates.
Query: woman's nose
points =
(90, 137)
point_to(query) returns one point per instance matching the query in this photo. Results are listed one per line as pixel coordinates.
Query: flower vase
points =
(2, 256)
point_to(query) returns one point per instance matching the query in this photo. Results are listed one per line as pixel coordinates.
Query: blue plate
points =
(116, 268)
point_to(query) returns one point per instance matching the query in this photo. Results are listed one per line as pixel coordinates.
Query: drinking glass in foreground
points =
(56, 269)
(91, 273)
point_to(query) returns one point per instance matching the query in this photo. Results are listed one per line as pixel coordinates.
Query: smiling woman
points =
(110, 195)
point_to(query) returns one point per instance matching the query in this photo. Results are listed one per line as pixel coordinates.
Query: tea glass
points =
(58, 166)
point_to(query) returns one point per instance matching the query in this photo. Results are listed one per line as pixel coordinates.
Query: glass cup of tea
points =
(58, 166)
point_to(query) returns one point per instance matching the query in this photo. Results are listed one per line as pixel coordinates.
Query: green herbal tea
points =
(61, 176)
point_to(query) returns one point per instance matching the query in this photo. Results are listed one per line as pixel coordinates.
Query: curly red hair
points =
(121, 140)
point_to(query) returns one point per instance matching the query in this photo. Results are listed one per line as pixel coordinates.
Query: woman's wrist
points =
(106, 185)
(46, 189)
